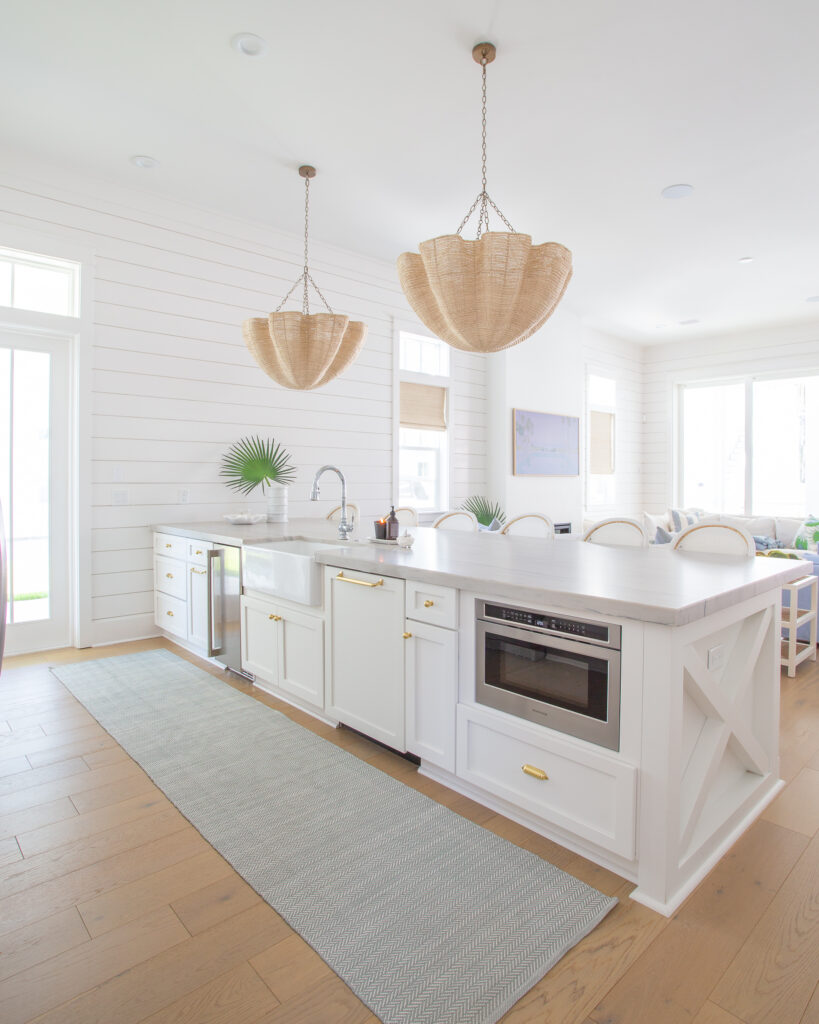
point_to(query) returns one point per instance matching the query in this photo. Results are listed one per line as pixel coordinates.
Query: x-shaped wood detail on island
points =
(726, 701)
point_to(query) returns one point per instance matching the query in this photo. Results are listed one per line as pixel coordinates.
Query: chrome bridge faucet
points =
(345, 528)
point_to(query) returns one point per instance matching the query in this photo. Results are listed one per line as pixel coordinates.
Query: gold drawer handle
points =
(275, 618)
(199, 552)
(199, 572)
(428, 604)
(169, 575)
(169, 545)
(169, 613)
(536, 773)
(361, 583)
(406, 636)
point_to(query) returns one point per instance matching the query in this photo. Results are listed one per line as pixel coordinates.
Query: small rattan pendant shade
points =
(488, 294)
(303, 351)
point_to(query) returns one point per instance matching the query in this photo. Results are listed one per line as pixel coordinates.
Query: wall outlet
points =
(184, 495)
(716, 657)
(119, 496)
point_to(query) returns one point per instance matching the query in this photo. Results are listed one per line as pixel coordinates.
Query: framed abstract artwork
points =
(545, 444)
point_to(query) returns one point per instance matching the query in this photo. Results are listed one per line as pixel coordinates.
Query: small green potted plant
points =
(485, 511)
(253, 462)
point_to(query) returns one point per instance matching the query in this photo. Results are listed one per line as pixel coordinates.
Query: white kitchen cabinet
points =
(431, 693)
(284, 649)
(181, 589)
(586, 793)
(198, 599)
(365, 661)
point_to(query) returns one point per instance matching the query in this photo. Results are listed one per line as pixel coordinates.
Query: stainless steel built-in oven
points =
(559, 672)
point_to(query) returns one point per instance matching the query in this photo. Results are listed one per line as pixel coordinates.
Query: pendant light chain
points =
(484, 200)
(305, 277)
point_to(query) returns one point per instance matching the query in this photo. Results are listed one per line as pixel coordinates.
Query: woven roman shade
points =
(423, 406)
(601, 442)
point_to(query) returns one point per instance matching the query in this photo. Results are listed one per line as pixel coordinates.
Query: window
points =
(751, 447)
(38, 283)
(423, 449)
(601, 401)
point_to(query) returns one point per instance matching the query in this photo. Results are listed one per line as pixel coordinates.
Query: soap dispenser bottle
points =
(392, 525)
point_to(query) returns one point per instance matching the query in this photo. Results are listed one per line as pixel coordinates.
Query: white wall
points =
(173, 384)
(780, 350)
(547, 373)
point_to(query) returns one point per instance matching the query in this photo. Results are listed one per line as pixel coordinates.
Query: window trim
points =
(747, 380)
(414, 377)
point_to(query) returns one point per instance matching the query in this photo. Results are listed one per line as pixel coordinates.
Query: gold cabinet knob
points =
(169, 575)
(428, 604)
(169, 613)
(535, 773)
(169, 545)
(406, 636)
(275, 618)
(198, 552)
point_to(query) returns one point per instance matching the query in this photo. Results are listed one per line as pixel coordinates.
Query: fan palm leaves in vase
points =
(252, 462)
(484, 510)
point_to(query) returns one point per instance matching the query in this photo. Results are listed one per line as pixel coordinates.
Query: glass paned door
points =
(34, 457)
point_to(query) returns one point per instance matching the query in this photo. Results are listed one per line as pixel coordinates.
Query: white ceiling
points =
(594, 107)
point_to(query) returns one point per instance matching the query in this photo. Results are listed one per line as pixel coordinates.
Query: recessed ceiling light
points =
(677, 191)
(685, 323)
(745, 259)
(812, 298)
(249, 45)
(145, 162)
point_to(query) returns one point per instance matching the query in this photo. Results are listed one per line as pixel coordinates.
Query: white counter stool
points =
(460, 519)
(531, 524)
(352, 513)
(407, 515)
(795, 651)
(618, 531)
(717, 539)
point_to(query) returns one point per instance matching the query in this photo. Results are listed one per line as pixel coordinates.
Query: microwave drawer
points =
(427, 602)
(587, 794)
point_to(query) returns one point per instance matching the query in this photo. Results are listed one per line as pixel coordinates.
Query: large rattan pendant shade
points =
(491, 293)
(302, 351)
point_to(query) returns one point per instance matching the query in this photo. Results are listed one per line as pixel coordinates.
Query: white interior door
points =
(34, 478)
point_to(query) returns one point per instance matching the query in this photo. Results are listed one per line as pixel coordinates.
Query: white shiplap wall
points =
(173, 384)
(621, 361)
(782, 350)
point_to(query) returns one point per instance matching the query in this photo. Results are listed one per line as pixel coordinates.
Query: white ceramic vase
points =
(276, 503)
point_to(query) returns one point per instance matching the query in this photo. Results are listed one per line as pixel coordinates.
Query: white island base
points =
(698, 758)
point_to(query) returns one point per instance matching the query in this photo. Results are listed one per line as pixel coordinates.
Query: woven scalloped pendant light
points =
(302, 351)
(491, 293)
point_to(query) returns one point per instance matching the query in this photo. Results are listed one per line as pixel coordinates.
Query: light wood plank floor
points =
(114, 909)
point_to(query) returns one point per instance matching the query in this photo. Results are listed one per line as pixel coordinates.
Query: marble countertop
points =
(651, 584)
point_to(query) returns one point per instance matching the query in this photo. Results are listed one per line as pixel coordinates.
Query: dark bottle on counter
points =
(392, 525)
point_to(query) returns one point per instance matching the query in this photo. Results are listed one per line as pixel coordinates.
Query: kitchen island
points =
(697, 754)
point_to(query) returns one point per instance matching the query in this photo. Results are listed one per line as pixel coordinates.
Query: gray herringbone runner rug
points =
(429, 918)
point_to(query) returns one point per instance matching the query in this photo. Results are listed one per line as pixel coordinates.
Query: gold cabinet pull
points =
(169, 545)
(199, 572)
(275, 618)
(169, 575)
(361, 583)
(199, 552)
(169, 613)
(406, 636)
(428, 604)
(535, 773)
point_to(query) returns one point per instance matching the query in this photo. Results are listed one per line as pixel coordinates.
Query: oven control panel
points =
(594, 632)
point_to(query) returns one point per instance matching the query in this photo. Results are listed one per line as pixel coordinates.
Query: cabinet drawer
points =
(587, 794)
(436, 605)
(171, 614)
(169, 577)
(197, 551)
(170, 546)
